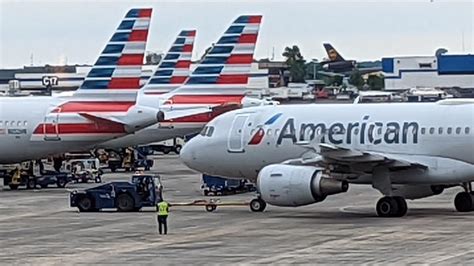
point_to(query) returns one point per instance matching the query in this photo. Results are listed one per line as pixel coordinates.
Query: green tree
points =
(375, 82)
(356, 79)
(338, 80)
(296, 63)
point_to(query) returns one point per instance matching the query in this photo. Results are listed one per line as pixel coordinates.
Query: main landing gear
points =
(392, 207)
(464, 201)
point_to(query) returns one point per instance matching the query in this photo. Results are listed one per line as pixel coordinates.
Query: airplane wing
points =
(351, 160)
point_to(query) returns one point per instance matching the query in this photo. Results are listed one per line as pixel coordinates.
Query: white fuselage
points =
(421, 131)
(19, 117)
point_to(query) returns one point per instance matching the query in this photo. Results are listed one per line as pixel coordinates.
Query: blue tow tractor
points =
(143, 191)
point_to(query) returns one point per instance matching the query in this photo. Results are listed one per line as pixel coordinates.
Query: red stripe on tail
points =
(145, 13)
(124, 83)
(255, 19)
(183, 64)
(232, 79)
(240, 59)
(138, 36)
(178, 79)
(248, 38)
(188, 48)
(131, 60)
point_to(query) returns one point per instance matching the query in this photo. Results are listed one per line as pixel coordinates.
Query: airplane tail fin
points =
(222, 75)
(116, 73)
(173, 69)
(333, 55)
(105, 105)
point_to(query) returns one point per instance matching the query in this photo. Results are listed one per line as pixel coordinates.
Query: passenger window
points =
(6, 123)
(432, 130)
(440, 130)
(1, 124)
(210, 131)
(25, 123)
(423, 131)
(269, 132)
(450, 130)
(277, 131)
(466, 130)
(458, 130)
(18, 123)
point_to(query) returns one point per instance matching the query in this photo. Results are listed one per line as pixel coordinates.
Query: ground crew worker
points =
(162, 209)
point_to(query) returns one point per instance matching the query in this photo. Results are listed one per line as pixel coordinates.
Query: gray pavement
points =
(39, 227)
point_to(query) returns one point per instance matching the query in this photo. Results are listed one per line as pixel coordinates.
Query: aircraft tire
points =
(464, 202)
(258, 205)
(402, 206)
(390, 207)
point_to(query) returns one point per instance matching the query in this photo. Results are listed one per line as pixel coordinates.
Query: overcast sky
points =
(76, 30)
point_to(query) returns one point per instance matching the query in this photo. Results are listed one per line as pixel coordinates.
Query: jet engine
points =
(292, 186)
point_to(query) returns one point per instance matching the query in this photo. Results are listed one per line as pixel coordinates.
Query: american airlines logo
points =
(363, 132)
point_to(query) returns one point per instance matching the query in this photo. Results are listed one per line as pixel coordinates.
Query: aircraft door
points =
(235, 141)
(51, 127)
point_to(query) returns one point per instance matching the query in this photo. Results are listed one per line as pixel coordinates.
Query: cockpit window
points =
(203, 131)
(210, 131)
(207, 131)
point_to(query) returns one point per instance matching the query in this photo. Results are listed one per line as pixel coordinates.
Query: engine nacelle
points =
(292, 186)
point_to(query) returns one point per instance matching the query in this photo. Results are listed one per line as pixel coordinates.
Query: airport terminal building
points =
(443, 71)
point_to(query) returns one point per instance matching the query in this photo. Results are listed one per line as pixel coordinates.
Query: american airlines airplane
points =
(107, 105)
(301, 154)
(219, 82)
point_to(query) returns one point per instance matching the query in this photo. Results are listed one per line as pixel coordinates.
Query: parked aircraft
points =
(301, 154)
(218, 82)
(105, 106)
(338, 65)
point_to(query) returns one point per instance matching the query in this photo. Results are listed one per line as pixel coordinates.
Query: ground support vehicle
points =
(216, 186)
(143, 191)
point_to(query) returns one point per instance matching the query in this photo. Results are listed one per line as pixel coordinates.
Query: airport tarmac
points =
(39, 227)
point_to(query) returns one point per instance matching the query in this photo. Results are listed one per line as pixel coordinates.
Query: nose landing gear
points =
(258, 205)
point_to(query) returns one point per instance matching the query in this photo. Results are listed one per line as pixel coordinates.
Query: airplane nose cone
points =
(188, 155)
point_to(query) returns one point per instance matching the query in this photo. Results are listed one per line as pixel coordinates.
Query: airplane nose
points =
(188, 155)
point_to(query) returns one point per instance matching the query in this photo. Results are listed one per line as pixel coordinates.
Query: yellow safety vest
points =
(162, 208)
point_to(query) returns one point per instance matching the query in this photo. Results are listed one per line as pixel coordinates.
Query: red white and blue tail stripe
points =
(96, 110)
(118, 68)
(173, 70)
(222, 76)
